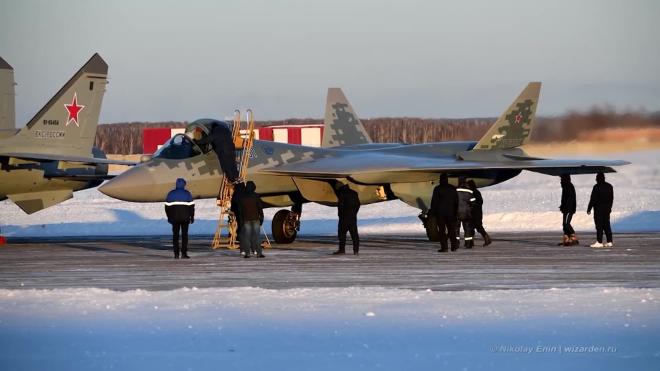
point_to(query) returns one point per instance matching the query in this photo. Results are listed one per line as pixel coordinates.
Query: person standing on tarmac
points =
(478, 212)
(348, 204)
(239, 188)
(222, 142)
(466, 201)
(180, 210)
(602, 198)
(567, 208)
(251, 215)
(444, 207)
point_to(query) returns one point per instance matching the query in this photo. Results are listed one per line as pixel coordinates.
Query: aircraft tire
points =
(431, 227)
(283, 231)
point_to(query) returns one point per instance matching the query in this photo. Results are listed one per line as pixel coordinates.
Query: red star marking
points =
(74, 109)
(519, 118)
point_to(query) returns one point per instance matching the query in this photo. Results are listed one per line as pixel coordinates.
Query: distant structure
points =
(306, 135)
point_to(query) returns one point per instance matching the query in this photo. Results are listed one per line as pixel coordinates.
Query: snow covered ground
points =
(352, 328)
(329, 329)
(528, 202)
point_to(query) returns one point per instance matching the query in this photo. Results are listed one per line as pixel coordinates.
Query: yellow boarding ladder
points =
(227, 221)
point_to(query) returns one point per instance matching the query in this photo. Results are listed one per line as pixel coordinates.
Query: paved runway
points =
(513, 261)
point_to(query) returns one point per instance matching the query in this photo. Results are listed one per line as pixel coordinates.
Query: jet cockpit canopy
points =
(178, 147)
(201, 128)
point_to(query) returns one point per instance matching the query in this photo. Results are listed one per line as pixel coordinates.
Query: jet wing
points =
(40, 157)
(404, 169)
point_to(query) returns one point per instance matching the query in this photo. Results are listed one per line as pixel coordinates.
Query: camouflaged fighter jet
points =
(290, 175)
(53, 155)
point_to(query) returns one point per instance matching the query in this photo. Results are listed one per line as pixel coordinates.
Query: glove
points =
(192, 220)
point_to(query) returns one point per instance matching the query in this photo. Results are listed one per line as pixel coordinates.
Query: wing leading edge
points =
(398, 169)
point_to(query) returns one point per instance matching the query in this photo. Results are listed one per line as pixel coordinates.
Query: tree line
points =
(126, 137)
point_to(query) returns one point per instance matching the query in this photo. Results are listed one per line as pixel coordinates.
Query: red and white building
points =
(306, 135)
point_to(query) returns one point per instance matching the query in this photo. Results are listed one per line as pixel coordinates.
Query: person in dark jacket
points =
(444, 207)
(478, 212)
(567, 207)
(251, 217)
(602, 198)
(466, 201)
(239, 188)
(180, 211)
(222, 142)
(348, 204)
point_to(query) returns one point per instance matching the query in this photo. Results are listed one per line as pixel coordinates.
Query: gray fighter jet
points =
(53, 155)
(290, 175)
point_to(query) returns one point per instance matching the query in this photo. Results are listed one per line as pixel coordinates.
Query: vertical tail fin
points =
(341, 126)
(7, 94)
(514, 127)
(67, 124)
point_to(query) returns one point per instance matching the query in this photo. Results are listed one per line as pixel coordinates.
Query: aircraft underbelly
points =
(418, 194)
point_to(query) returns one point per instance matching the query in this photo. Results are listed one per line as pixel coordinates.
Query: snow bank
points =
(613, 306)
(528, 202)
(329, 329)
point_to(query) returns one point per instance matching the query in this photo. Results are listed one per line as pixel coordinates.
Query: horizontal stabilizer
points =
(34, 201)
(39, 157)
(82, 177)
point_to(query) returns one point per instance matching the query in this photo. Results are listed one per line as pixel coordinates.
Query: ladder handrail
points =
(227, 190)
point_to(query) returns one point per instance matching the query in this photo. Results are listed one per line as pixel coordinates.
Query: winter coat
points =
(179, 205)
(222, 142)
(465, 201)
(444, 202)
(220, 139)
(477, 206)
(602, 197)
(250, 207)
(568, 201)
(348, 204)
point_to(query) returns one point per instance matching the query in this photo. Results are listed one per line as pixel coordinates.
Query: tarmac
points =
(513, 261)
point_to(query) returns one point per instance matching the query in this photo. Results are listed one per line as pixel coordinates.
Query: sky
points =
(182, 60)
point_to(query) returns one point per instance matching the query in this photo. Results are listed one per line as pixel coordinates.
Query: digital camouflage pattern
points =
(342, 127)
(514, 127)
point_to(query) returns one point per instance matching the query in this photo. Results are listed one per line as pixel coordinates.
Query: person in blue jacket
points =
(180, 211)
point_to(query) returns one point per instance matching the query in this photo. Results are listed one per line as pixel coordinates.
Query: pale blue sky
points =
(180, 60)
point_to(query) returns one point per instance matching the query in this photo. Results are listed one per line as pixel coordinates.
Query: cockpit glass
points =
(178, 147)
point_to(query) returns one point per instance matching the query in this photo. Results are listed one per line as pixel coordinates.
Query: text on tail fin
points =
(67, 123)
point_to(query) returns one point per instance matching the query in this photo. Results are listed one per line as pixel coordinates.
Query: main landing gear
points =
(286, 224)
(431, 226)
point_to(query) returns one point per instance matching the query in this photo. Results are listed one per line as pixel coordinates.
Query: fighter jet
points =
(291, 175)
(43, 163)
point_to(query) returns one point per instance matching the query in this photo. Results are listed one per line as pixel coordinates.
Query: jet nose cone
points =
(136, 184)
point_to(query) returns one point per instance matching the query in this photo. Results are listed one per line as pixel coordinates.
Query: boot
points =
(487, 240)
(469, 244)
(339, 252)
(574, 240)
(564, 241)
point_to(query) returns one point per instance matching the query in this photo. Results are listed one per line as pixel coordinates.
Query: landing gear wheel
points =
(284, 226)
(431, 226)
